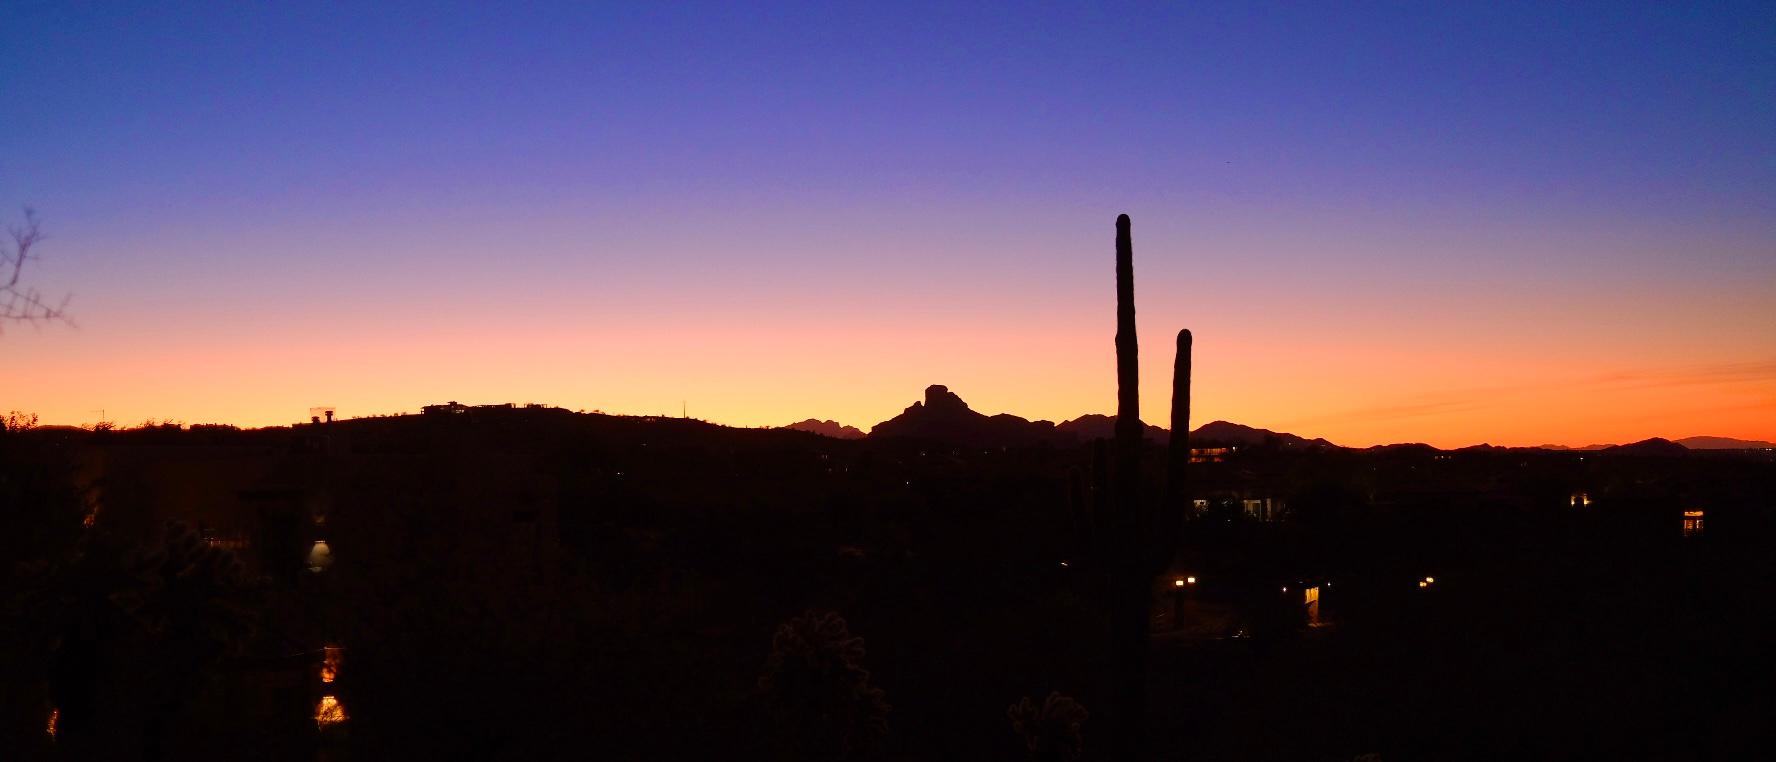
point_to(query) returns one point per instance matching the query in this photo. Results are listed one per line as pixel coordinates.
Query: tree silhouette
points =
(19, 301)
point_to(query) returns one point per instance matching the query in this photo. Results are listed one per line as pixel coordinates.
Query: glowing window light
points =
(1422, 583)
(1190, 580)
(329, 712)
(54, 716)
(1177, 583)
(330, 658)
(320, 556)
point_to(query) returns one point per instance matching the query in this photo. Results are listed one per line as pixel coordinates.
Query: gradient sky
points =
(1483, 222)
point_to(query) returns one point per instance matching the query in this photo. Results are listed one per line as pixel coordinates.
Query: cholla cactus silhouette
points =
(1128, 539)
(819, 691)
(1052, 731)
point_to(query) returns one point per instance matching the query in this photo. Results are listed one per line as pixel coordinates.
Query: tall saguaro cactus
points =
(1133, 539)
(1127, 598)
(1128, 364)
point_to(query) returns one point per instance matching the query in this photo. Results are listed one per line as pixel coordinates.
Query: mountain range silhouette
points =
(942, 416)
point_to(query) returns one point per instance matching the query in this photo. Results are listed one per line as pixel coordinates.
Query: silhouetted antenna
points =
(316, 413)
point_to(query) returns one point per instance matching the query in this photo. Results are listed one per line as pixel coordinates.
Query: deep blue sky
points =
(1396, 177)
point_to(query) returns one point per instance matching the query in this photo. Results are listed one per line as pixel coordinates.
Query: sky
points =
(1514, 223)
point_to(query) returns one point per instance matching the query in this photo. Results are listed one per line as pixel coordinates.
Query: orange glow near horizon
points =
(1357, 407)
(773, 375)
(1357, 362)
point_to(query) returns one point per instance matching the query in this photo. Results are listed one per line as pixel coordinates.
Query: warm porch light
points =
(330, 658)
(320, 556)
(329, 712)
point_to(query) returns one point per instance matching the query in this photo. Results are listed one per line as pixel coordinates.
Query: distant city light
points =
(1177, 583)
(1422, 583)
(1190, 580)
(54, 716)
(1429, 580)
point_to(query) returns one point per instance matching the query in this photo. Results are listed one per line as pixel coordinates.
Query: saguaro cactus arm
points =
(1176, 505)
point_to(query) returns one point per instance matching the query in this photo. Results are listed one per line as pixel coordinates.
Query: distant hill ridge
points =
(1224, 432)
(832, 429)
(1688, 443)
(1725, 443)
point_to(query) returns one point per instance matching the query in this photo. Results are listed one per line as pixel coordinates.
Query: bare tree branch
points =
(20, 302)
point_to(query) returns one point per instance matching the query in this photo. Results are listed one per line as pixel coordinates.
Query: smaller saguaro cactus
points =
(1170, 519)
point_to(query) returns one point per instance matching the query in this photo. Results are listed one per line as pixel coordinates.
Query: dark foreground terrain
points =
(537, 584)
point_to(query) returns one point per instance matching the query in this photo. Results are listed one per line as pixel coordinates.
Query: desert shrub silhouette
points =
(1052, 731)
